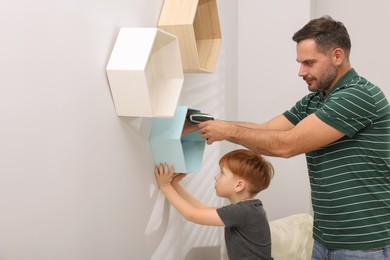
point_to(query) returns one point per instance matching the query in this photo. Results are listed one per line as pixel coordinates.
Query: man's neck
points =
(342, 70)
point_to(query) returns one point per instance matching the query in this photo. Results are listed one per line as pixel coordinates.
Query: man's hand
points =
(216, 130)
(164, 175)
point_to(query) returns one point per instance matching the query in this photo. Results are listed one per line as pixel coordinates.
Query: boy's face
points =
(225, 183)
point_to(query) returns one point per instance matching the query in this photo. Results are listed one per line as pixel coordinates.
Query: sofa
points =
(292, 237)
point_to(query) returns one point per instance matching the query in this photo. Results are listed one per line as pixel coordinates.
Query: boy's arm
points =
(204, 216)
(183, 193)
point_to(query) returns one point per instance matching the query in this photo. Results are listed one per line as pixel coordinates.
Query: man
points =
(343, 127)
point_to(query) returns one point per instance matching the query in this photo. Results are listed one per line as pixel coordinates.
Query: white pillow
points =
(292, 238)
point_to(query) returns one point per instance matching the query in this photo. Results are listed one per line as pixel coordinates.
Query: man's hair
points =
(327, 33)
(250, 166)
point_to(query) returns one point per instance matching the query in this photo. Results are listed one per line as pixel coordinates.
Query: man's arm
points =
(218, 130)
(204, 216)
(277, 123)
(277, 138)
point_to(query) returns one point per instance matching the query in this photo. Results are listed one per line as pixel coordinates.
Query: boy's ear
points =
(240, 185)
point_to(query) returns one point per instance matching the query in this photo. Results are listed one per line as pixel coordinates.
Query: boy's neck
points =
(239, 198)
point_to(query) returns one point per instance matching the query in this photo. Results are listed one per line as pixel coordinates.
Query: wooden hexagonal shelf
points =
(145, 73)
(196, 25)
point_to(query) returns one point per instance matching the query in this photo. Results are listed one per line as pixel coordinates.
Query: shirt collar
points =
(344, 80)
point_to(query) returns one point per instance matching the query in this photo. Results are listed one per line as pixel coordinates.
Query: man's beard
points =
(324, 82)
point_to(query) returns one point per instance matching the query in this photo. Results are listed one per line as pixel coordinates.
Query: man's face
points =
(316, 68)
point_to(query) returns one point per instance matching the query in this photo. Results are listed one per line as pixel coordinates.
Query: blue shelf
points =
(185, 153)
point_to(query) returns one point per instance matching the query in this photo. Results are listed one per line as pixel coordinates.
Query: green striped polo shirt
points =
(350, 178)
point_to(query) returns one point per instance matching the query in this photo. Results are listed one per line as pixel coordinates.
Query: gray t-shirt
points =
(247, 231)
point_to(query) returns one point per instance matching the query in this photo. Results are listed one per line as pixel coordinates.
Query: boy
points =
(243, 175)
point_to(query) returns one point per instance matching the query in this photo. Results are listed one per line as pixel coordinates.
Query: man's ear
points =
(240, 185)
(338, 56)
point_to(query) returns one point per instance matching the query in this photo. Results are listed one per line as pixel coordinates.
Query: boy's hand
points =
(177, 178)
(164, 175)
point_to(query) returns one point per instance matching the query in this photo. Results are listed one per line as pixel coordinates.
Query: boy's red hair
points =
(250, 166)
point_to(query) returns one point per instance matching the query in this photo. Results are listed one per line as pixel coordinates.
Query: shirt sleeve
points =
(231, 215)
(349, 110)
(299, 111)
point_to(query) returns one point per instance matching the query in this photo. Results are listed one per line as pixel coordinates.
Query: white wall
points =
(76, 181)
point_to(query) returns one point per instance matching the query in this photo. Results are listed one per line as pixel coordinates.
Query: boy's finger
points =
(156, 171)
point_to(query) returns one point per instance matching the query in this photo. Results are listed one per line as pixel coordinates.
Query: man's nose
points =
(302, 71)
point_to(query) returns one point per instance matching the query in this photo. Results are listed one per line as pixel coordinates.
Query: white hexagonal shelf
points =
(145, 73)
(196, 25)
